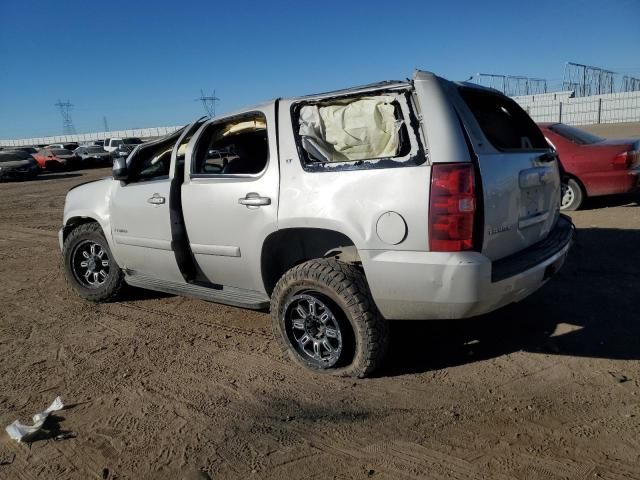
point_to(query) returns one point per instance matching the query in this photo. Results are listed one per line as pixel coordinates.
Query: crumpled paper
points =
(18, 431)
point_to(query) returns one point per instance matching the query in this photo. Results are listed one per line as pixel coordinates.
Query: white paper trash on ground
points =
(18, 431)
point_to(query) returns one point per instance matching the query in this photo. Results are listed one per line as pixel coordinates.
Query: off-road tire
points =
(345, 286)
(576, 198)
(114, 283)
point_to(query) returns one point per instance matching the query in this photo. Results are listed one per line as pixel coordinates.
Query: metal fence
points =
(90, 137)
(608, 108)
(544, 107)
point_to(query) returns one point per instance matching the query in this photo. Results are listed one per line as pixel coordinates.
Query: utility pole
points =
(65, 110)
(106, 125)
(208, 102)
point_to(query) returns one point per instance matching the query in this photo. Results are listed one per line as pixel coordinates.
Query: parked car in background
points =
(122, 151)
(56, 158)
(92, 155)
(67, 146)
(110, 144)
(339, 211)
(592, 165)
(29, 150)
(17, 164)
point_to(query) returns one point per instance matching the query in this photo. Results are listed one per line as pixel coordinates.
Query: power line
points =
(65, 110)
(208, 102)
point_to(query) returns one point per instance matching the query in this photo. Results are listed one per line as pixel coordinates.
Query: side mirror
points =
(120, 170)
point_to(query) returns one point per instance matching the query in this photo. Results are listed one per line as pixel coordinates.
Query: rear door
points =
(520, 178)
(520, 181)
(230, 196)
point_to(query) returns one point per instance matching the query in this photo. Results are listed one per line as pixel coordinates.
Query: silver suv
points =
(422, 199)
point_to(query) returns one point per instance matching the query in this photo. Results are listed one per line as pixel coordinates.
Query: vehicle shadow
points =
(627, 199)
(590, 309)
(54, 176)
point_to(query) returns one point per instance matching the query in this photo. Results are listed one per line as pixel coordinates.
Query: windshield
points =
(131, 141)
(94, 149)
(575, 134)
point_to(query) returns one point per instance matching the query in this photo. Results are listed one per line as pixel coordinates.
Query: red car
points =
(56, 158)
(592, 165)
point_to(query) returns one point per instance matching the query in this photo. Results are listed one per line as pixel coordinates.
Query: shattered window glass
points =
(363, 128)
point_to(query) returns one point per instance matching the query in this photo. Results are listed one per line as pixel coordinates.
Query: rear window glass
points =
(575, 134)
(505, 124)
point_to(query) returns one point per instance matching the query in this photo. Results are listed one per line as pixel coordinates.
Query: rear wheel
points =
(324, 318)
(89, 265)
(572, 195)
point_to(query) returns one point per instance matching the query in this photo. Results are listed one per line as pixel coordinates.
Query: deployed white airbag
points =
(361, 129)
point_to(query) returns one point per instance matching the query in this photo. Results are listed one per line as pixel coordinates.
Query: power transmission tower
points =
(106, 125)
(208, 102)
(65, 110)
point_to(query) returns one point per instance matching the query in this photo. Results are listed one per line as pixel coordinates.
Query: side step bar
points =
(236, 297)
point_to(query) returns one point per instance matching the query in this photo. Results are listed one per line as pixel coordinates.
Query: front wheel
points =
(571, 195)
(89, 264)
(324, 318)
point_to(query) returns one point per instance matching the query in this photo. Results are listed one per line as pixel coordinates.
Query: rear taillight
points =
(452, 207)
(627, 159)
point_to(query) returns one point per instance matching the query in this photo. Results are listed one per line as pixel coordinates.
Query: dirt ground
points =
(166, 387)
(614, 130)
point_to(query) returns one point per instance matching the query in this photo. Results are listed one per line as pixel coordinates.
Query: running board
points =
(237, 297)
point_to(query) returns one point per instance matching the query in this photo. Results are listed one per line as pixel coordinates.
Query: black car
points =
(92, 155)
(29, 150)
(17, 164)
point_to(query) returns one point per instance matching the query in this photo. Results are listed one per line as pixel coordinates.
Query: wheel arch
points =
(286, 248)
(74, 222)
(569, 175)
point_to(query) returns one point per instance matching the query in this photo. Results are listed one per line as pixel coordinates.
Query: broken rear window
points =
(348, 132)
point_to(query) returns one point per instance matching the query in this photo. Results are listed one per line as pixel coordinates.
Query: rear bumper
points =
(433, 285)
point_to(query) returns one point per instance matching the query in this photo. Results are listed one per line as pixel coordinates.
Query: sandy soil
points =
(166, 387)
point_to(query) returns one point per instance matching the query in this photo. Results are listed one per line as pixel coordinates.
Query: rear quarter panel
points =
(592, 165)
(350, 201)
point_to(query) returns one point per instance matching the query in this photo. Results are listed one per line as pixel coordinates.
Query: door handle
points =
(254, 199)
(156, 199)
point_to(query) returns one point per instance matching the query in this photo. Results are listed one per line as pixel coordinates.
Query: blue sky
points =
(142, 64)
